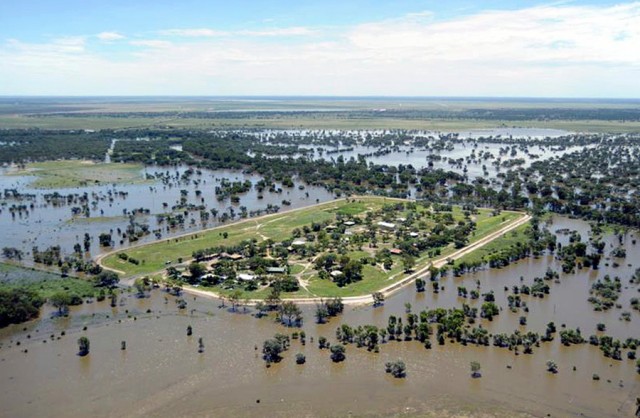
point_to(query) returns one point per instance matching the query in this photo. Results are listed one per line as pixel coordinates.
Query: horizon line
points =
(273, 96)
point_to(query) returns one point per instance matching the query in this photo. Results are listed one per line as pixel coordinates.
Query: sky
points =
(462, 48)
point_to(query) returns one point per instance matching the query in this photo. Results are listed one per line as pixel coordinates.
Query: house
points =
(233, 257)
(414, 234)
(395, 251)
(208, 277)
(336, 273)
(387, 225)
(276, 270)
(349, 223)
(298, 243)
(246, 277)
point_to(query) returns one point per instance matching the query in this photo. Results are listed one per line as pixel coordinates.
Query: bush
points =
(337, 353)
(18, 305)
(397, 369)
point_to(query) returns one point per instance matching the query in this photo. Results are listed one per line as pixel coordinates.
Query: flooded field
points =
(161, 372)
(61, 216)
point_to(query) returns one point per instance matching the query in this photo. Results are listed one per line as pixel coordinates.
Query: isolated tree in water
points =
(475, 369)
(61, 300)
(378, 298)
(83, 346)
(337, 353)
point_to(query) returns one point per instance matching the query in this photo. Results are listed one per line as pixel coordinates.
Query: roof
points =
(336, 273)
(386, 224)
(349, 223)
(395, 251)
(276, 269)
(299, 242)
(246, 277)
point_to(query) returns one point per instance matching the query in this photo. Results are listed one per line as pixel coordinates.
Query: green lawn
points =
(354, 208)
(374, 279)
(279, 227)
(507, 240)
(46, 284)
(61, 174)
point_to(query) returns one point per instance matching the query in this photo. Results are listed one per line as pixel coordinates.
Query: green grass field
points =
(279, 227)
(62, 174)
(315, 121)
(46, 284)
(506, 241)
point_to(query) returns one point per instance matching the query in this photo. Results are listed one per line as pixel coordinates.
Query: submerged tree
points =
(61, 300)
(83, 346)
(290, 314)
(475, 369)
(378, 298)
(271, 350)
(337, 353)
(396, 368)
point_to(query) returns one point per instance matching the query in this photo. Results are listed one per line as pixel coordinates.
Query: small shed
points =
(387, 225)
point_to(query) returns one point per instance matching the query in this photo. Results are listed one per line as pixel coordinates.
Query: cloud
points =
(151, 43)
(210, 33)
(557, 50)
(292, 31)
(109, 36)
(540, 34)
(193, 33)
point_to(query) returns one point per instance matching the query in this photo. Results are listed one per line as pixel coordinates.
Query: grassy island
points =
(347, 247)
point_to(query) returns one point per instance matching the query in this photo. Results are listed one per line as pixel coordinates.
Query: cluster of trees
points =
(18, 305)
(25, 145)
(328, 308)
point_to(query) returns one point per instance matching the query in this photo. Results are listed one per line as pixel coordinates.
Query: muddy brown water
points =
(161, 372)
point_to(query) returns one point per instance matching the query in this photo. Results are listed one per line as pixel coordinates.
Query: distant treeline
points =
(24, 145)
(501, 114)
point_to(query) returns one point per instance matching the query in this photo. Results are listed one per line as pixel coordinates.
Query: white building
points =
(387, 225)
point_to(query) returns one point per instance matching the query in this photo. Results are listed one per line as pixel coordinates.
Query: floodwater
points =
(47, 224)
(161, 372)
